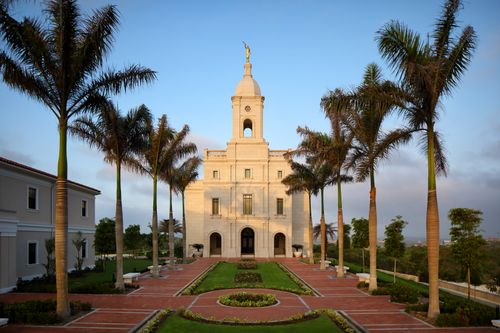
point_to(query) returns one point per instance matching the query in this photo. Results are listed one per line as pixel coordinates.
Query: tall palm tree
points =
(429, 69)
(59, 62)
(184, 175)
(330, 232)
(175, 150)
(333, 152)
(119, 138)
(371, 103)
(304, 178)
(335, 104)
(151, 162)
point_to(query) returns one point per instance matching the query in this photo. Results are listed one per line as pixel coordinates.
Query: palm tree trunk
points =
(432, 230)
(323, 232)
(363, 259)
(184, 239)
(394, 275)
(61, 238)
(311, 247)
(119, 229)
(372, 226)
(154, 229)
(468, 283)
(340, 228)
(171, 230)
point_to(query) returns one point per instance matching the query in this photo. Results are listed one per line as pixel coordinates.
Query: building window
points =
(84, 208)
(248, 173)
(32, 253)
(84, 249)
(280, 174)
(279, 206)
(215, 206)
(215, 174)
(32, 197)
(247, 204)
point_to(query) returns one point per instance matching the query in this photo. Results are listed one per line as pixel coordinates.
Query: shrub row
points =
(303, 290)
(191, 289)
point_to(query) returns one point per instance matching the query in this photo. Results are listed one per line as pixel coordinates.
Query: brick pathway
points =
(121, 313)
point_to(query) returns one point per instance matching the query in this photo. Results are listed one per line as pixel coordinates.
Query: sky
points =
(300, 50)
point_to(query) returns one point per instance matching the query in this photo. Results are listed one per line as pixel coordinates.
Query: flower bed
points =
(247, 265)
(247, 277)
(245, 299)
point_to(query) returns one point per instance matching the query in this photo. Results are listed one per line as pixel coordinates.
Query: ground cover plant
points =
(247, 278)
(245, 299)
(90, 281)
(247, 265)
(222, 276)
(38, 312)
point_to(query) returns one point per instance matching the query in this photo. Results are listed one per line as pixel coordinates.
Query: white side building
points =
(241, 208)
(27, 219)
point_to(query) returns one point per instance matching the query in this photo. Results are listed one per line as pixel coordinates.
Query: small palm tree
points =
(120, 138)
(184, 175)
(304, 178)
(151, 162)
(330, 232)
(372, 102)
(60, 64)
(175, 150)
(428, 71)
(164, 228)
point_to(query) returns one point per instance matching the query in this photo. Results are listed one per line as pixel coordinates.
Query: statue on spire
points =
(247, 52)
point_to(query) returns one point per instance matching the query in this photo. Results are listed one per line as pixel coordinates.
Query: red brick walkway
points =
(121, 313)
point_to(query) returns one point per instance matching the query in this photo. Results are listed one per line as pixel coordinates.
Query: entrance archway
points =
(279, 244)
(247, 241)
(215, 244)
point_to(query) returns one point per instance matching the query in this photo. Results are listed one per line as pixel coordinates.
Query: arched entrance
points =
(279, 244)
(247, 241)
(215, 244)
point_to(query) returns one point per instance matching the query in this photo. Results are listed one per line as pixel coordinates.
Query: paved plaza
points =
(123, 313)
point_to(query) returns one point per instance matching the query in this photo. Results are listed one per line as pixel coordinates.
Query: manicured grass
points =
(273, 277)
(178, 324)
(90, 281)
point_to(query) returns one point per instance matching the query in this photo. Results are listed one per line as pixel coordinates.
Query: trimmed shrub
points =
(37, 312)
(247, 277)
(245, 299)
(403, 294)
(381, 291)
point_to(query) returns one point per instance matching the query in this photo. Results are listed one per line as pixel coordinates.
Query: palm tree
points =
(164, 228)
(184, 175)
(304, 178)
(371, 103)
(151, 162)
(335, 104)
(175, 150)
(332, 151)
(429, 69)
(119, 137)
(330, 232)
(60, 64)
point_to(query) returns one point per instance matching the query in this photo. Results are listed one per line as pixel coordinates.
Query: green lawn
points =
(89, 282)
(178, 324)
(273, 277)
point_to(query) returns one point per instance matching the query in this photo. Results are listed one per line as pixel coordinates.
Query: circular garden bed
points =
(245, 299)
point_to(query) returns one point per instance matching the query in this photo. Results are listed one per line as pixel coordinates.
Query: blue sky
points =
(300, 49)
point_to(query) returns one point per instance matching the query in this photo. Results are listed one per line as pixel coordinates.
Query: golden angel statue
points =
(247, 51)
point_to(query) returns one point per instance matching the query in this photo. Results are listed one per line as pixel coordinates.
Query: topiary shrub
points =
(245, 299)
(247, 265)
(247, 277)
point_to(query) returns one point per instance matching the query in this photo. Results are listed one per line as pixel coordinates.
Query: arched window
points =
(247, 128)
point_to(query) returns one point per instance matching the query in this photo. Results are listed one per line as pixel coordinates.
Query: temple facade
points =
(241, 208)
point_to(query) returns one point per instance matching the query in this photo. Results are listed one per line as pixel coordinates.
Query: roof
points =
(46, 174)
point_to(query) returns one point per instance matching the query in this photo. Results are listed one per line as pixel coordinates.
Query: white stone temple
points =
(240, 208)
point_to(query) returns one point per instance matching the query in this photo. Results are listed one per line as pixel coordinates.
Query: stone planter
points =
(297, 254)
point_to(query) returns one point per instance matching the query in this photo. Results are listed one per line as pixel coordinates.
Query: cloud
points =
(17, 156)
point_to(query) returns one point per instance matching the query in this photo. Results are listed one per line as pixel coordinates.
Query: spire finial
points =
(247, 52)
